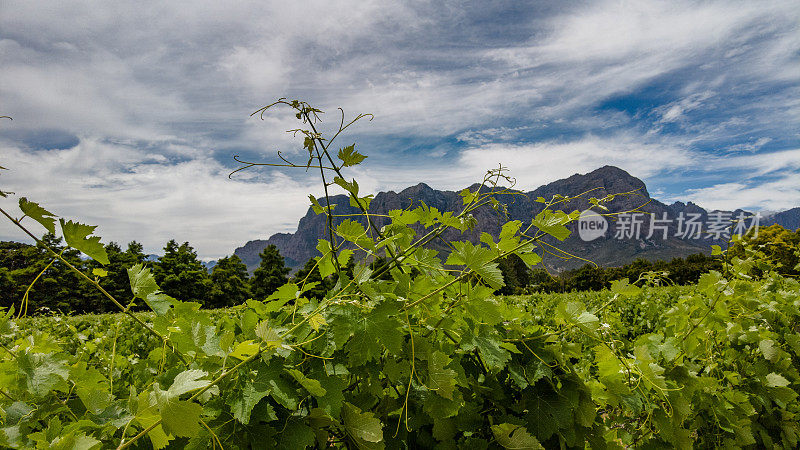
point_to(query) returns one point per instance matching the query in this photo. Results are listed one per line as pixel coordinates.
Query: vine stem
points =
(93, 282)
(25, 297)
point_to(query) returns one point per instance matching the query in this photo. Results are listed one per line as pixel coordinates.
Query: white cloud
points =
(537, 164)
(674, 111)
(778, 195)
(133, 195)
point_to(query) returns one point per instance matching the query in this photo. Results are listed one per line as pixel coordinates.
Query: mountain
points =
(789, 219)
(620, 244)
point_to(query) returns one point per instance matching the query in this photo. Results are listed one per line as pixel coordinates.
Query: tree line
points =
(29, 272)
(779, 246)
(182, 275)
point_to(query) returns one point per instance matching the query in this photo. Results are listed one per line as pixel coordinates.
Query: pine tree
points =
(271, 273)
(230, 283)
(180, 274)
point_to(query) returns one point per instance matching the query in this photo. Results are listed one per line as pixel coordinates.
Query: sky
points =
(127, 115)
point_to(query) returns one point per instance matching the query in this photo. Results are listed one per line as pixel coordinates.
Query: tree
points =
(230, 283)
(181, 275)
(270, 274)
(588, 278)
(516, 275)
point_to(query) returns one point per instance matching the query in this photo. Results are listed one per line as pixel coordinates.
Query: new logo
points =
(591, 225)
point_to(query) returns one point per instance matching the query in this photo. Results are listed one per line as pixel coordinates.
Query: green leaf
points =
(186, 381)
(623, 287)
(441, 380)
(768, 349)
(296, 435)
(39, 214)
(363, 201)
(142, 281)
(552, 223)
(268, 334)
(494, 355)
(575, 313)
(373, 331)
(325, 265)
(77, 236)
(75, 442)
(312, 386)
(347, 186)
(479, 260)
(159, 302)
(245, 399)
(315, 206)
(244, 350)
(148, 417)
(181, 418)
(350, 157)
(332, 402)
(530, 259)
(776, 380)
(362, 426)
(516, 437)
(43, 372)
(547, 413)
(99, 272)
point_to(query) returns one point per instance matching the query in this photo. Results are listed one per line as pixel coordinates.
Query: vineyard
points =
(417, 354)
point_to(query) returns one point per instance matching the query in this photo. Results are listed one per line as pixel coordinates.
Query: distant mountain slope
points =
(608, 250)
(789, 219)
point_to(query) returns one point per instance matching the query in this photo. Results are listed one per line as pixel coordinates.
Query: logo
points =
(591, 225)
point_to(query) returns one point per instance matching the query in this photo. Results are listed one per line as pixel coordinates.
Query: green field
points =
(707, 366)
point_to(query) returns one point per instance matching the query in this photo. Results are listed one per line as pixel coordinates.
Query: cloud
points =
(105, 108)
(132, 194)
(750, 146)
(540, 163)
(675, 111)
(775, 195)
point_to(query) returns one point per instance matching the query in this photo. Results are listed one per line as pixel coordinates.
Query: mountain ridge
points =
(300, 246)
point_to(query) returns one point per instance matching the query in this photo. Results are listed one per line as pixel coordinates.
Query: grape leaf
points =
(296, 435)
(776, 380)
(43, 372)
(350, 157)
(516, 437)
(39, 214)
(245, 399)
(479, 260)
(77, 236)
(268, 334)
(159, 302)
(371, 331)
(351, 187)
(181, 418)
(553, 223)
(186, 381)
(312, 386)
(332, 402)
(142, 281)
(362, 426)
(767, 347)
(441, 380)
